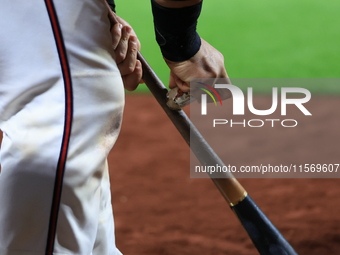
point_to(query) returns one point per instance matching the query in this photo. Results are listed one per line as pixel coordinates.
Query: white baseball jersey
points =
(61, 103)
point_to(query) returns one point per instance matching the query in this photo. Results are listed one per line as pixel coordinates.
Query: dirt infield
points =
(160, 210)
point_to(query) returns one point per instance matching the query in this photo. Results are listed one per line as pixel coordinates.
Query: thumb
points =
(175, 81)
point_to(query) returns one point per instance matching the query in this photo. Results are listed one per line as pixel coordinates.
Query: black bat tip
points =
(265, 236)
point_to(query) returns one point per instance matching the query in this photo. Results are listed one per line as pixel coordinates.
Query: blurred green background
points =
(259, 38)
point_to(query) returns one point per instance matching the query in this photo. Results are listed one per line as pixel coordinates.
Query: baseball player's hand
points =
(126, 45)
(206, 63)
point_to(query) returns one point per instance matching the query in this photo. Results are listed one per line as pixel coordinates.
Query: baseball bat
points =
(265, 236)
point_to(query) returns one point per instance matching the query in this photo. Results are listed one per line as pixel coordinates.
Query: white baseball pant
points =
(61, 104)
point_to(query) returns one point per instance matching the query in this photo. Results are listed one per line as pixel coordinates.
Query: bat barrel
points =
(266, 238)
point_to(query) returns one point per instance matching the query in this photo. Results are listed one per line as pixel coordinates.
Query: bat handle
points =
(229, 187)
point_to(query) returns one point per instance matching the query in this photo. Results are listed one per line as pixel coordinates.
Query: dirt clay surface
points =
(159, 209)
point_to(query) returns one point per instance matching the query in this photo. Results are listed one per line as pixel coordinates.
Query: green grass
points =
(259, 39)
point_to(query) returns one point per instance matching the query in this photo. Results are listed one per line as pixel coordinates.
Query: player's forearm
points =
(176, 28)
(177, 3)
